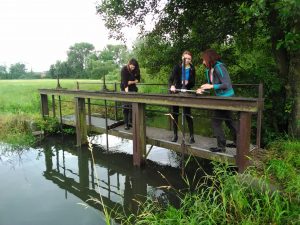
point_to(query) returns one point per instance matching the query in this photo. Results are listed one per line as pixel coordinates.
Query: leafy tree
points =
(107, 60)
(61, 69)
(240, 30)
(118, 54)
(280, 21)
(17, 70)
(3, 72)
(77, 57)
(96, 69)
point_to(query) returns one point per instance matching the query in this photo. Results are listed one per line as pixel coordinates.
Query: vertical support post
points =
(116, 105)
(44, 105)
(60, 111)
(89, 113)
(106, 125)
(139, 133)
(53, 106)
(259, 115)
(243, 141)
(81, 130)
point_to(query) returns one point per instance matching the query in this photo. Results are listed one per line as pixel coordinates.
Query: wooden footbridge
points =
(85, 121)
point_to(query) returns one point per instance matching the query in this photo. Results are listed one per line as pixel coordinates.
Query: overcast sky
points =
(39, 32)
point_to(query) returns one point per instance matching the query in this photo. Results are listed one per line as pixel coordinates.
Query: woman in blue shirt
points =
(183, 77)
(218, 79)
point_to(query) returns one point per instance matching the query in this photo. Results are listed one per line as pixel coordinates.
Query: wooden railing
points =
(245, 106)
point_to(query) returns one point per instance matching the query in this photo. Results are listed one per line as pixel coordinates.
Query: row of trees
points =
(17, 71)
(84, 62)
(258, 39)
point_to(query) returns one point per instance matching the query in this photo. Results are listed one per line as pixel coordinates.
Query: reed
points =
(226, 197)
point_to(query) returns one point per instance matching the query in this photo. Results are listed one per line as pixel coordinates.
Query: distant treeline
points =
(83, 61)
(18, 71)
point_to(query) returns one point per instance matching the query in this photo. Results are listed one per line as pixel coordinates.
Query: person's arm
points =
(223, 76)
(138, 76)
(172, 79)
(124, 78)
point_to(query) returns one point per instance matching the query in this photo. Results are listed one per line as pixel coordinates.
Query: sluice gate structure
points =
(142, 135)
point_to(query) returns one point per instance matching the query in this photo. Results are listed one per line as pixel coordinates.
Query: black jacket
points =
(175, 77)
(129, 76)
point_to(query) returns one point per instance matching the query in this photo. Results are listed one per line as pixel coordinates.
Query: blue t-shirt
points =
(186, 73)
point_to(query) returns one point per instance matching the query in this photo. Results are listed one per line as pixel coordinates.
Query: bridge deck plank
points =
(161, 137)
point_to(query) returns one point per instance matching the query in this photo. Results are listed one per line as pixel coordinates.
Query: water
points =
(54, 183)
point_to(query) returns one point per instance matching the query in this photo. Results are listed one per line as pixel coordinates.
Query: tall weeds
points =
(226, 197)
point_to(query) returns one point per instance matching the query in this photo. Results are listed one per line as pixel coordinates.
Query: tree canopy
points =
(258, 39)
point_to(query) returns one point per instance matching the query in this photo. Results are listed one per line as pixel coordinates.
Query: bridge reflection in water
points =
(121, 185)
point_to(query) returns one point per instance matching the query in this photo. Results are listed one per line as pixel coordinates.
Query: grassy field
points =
(20, 105)
(21, 96)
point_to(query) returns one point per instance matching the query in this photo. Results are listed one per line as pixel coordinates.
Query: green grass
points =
(21, 96)
(227, 197)
(20, 105)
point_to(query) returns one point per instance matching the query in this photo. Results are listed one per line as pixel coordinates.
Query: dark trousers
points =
(218, 117)
(188, 116)
(127, 113)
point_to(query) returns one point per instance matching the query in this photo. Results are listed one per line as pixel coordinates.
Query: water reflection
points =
(121, 185)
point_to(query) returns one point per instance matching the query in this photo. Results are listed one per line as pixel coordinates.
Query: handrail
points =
(203, 102)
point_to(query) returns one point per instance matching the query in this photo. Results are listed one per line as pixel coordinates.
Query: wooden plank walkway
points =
(161, 138)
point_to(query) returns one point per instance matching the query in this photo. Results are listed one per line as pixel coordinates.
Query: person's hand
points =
(126, 89)
(136, 81)
(207, 86)
(173, 89)
(199, 91)
(186, 82)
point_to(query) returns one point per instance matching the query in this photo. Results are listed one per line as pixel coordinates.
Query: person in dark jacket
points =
(183, 77)
(218, 79)
(130, 76)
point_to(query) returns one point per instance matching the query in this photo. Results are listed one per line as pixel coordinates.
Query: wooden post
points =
(81, 130)
(89, 113)
(139, 133)
(116, 104)
(44, 106)
(243, 141)
(53, 105)
(259, 115)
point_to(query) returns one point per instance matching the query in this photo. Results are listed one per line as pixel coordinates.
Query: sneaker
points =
(217, 149)
(126, 127)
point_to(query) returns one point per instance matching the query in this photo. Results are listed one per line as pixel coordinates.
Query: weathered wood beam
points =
(81, 129)
(243, 141)
(187, 100)
(53, 106)
(44, 105)
(139, 133)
